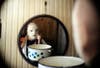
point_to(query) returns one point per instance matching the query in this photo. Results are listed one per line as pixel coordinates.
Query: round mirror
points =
(42, 36)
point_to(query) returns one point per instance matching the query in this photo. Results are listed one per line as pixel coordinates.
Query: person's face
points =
(85, 29)
(32, 31)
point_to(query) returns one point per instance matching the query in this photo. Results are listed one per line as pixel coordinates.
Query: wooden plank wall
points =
(14, 13)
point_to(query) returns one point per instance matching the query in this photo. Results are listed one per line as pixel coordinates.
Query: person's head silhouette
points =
(86, 30)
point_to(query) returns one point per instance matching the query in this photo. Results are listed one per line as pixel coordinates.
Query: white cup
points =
(60, 62)
(38, 51)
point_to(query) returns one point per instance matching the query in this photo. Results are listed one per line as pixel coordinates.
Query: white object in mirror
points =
(38, 51)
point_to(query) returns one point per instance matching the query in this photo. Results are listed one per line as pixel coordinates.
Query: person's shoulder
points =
(23, 40)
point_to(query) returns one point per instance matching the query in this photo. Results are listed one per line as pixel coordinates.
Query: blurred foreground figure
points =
(86, 31)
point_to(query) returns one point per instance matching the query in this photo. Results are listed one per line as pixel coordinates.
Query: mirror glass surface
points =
(43, 29)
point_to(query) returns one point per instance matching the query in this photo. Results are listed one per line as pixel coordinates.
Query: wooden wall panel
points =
(19, 24)
(14, 13)
(8, 32)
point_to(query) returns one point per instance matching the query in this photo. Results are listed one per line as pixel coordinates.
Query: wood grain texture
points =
(14, 13)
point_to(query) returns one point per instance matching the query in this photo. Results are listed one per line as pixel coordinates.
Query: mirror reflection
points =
(42, 36)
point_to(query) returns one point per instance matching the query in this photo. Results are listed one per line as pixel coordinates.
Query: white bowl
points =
(38, 51)
(60, 62)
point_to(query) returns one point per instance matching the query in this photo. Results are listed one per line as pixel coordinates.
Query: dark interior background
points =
(53, 33)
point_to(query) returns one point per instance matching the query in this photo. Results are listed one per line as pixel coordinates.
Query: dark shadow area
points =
(0, 28)
(1, 2)
(3, 64)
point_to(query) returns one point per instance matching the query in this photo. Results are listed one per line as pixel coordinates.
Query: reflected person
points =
(32, 37)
